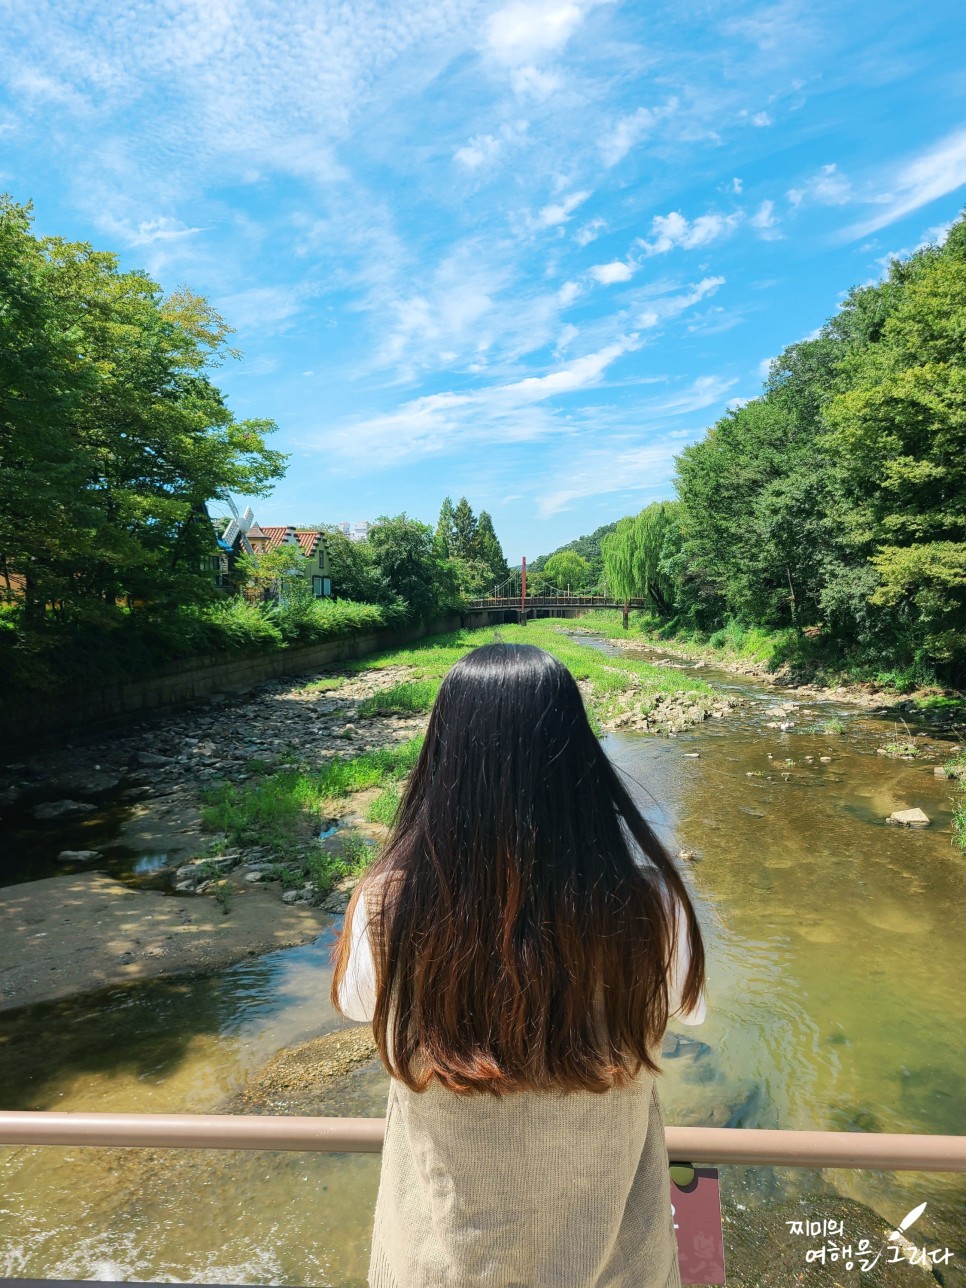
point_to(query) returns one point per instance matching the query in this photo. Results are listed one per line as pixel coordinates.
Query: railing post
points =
(627, 610)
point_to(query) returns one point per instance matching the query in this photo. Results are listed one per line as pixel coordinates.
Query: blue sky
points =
(521, 251)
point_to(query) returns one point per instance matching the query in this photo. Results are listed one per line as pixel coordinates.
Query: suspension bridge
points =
(540, 599)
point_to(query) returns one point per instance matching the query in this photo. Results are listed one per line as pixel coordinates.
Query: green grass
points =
(959, 823)
(831, 726)
(326, 685)
(411, 697)
(383, 808)
(605, 675)
(284, 810)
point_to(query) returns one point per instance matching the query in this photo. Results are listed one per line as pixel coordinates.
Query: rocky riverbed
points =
(85, 928)
(867, 696)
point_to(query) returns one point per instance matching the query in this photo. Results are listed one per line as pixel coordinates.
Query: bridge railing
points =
(554, 601)
(886, 1151)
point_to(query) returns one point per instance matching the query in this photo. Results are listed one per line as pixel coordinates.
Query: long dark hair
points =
(523, 931)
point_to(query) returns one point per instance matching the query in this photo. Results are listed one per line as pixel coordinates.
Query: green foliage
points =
(444, 538)
(405, 559)
(471, 547)
(634, 555)
(355, 574)
(385, 806)
(409, 698)
(284, 810)
(112, 435)
(588, 546)
(566, 570)
(834, 505)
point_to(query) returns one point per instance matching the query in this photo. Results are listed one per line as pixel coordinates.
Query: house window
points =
(321, 587)
(321, 556)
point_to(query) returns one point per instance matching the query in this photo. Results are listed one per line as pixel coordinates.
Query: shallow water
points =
(835, 1001)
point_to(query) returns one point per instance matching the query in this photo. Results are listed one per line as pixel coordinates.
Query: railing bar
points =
(889, 1152)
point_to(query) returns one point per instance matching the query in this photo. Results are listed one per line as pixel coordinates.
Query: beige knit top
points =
(531, 1190)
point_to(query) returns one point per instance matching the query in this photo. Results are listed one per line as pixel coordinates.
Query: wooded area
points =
(834, 505)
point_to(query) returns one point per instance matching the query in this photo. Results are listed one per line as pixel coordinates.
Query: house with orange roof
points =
(246, 535)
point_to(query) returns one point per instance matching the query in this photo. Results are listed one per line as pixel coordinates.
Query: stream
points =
(835, 1001)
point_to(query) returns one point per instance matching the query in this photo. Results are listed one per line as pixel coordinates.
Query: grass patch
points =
(831, 726)
(284, 811)
(411, 697)
(900, 750)
(328, 684)
(383, 808)
(959, 824)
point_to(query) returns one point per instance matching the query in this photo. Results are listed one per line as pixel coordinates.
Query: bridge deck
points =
(556, 601)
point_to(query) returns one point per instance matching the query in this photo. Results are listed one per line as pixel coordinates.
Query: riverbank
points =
(945, 708)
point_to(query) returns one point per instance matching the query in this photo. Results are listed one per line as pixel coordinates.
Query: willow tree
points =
(632, 556)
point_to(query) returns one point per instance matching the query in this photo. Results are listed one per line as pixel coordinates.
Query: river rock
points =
(908, 818)
(87, 782)
(153, 760)
(78, 856)
(51, 810)
(336, 902)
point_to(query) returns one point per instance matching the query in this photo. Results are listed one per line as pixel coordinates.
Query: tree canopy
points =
(112, 435)
(836, 501)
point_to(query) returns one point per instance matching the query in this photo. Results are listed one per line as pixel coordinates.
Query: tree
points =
(355, 575)
(490, 551)
(112, 435)
(567, 571)
(445, 530)
(405, 559)
(283, 574)
(634, 554)
(464, 540)
(588, 546)
(897, 432)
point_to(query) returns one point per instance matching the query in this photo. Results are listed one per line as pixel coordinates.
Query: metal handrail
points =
(888, 1152)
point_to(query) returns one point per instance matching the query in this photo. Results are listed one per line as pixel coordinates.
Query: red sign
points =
(697, 1227)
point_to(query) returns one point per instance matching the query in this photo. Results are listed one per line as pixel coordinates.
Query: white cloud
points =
(935, 236)
(827, 188)
(523, 31)
(485, 149)
(532, 82)
(263, 307)
(939, 170)
(162, 229)
(761, 119)
(736, 186)
(763, 368)
(590, 231)
(630, 130)
(764, 221)
(568, 293)
(604, 471)
(615, 271)
(480, 150)
(581, 373)
(560, 212)
(448, 422)
(703, 392)
(673, 230)
(566, 338)
(669, 306)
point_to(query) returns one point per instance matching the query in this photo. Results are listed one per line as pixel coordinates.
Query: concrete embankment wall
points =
(29, 720)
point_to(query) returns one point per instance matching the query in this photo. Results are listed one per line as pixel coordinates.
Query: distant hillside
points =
(588, 546)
